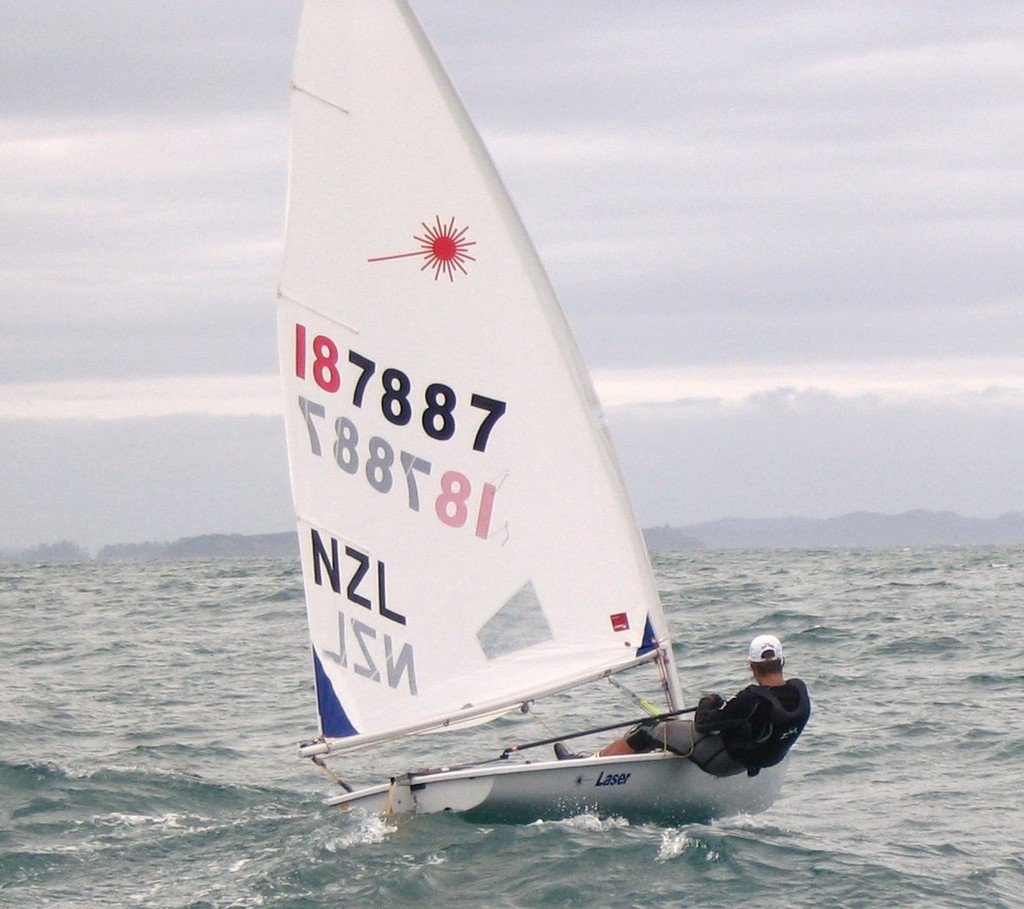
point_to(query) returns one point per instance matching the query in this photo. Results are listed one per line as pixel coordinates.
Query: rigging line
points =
(666, 687)
(539, 719)
(322, 764)
(642, 702)
(574, 735)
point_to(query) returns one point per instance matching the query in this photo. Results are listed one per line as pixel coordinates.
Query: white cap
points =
(765, 648)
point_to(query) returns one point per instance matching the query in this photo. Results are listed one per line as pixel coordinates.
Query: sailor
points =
(753, 730)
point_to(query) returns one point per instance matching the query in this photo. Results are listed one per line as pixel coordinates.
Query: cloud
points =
(654, 390)
(718, 184)
(139, 247)
(122, 58)
(101, 482)
(774, 454)
(729, 198)
(144, 153)
(812, 454)
(732, 184)
(43, 402)
(951, 380)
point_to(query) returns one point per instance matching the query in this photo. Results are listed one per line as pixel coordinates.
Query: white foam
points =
(369, 829)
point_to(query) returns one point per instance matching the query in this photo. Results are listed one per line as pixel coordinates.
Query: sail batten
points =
(464, 531)
(316, 97)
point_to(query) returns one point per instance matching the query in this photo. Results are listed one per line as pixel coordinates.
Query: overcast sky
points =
(788, 237)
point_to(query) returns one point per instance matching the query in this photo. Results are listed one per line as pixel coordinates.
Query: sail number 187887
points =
(319, 358)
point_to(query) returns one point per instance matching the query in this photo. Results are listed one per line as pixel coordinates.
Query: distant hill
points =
(670, 539)
(210, 546)
(64, 551)
(858, 529)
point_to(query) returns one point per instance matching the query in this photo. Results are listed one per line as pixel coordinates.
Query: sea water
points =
(149, 714)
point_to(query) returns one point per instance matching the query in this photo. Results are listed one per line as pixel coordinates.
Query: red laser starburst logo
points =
(442, 248)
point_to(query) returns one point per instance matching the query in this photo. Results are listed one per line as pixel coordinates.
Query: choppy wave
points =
(150, 713)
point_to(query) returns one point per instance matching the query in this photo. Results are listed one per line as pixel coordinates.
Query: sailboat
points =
(467, 544)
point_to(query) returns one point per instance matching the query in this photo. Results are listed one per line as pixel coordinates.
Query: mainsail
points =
(467, 543)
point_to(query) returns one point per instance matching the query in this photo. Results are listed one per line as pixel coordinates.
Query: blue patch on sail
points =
(334, 722)
(650, 641)
(520, 623)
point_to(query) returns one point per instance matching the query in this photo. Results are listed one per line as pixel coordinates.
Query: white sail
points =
(467, 543)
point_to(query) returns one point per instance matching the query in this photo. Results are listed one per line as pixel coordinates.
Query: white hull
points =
(645, 787)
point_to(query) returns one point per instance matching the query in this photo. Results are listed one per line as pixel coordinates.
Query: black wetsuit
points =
(760, 724)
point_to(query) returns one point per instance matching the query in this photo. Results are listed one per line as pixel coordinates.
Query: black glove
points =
(710, 702)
